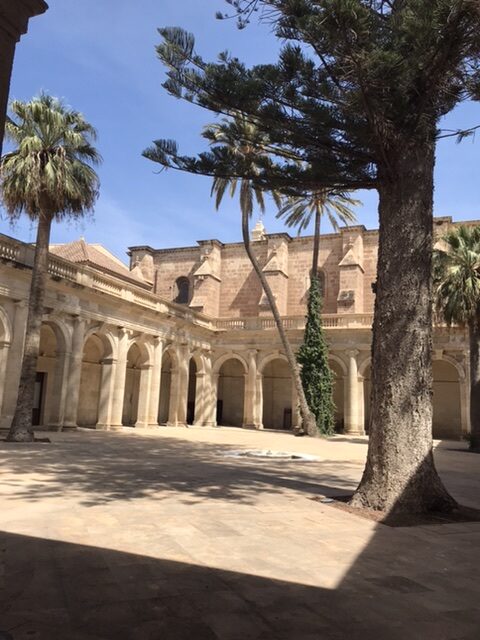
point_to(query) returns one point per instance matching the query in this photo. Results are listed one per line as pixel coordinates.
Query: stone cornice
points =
(14, 16)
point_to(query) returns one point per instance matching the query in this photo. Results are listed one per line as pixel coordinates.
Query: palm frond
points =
(49, 170)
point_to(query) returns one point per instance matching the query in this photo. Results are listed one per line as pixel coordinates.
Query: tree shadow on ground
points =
(133, 467)
(400, 587)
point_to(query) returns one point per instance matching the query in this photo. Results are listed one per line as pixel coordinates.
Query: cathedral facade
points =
(185, 335)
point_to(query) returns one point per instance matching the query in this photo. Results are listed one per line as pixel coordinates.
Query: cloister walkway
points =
(157, 534)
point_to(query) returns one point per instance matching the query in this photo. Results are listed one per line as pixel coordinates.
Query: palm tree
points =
(244, 142)
(456, 276)
(48, 175)
(298, 212)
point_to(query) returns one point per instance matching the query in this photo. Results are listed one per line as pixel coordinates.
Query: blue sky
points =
(99, 56)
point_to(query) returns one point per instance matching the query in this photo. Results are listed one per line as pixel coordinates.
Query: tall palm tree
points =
(48, 175)
(456, 276)
(298, 212)
(249, 146)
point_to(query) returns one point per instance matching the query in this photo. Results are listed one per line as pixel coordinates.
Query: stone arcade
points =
(185, 335)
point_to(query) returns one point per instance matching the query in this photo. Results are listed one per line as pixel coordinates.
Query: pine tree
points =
(355, 101)
(316, 374)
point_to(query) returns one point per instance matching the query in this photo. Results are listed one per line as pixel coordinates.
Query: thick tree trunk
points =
(474, 335)
(309, 425)
(21, 429)
(400, 474)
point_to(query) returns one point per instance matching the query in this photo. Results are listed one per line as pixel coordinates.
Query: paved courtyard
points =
(157, 535)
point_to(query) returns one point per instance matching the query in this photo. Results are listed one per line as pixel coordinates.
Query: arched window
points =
(182, 290)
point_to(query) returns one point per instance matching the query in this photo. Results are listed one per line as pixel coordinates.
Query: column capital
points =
(352, 353)
(109, 361)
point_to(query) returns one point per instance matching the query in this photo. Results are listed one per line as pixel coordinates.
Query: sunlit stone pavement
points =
(158, 535)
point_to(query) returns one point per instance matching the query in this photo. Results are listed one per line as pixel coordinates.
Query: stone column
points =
(361, 404)
(14, 16)
(15, 355)
(4, 349)
(155, 381)
(173, 401)
(259, 401)
(295, 409)
(58, 391)
(74, 374)
(182, 384)
(143, 412)
(105, 401)
(200, 395)
(215, 379)
(249, 412)
(120, 376)
(352, 415)
(210, 393)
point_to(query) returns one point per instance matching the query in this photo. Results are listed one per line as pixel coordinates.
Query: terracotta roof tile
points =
(96, 256)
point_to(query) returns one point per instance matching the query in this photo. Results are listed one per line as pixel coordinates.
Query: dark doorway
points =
(38, 394)
(192, 388)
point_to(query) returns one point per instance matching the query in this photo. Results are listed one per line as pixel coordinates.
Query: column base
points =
(354, 432)
(55, 428)
(102, 427)
(253, 425)
(70, 427)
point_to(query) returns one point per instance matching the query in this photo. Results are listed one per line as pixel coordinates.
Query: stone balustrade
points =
(22, 254)
(330, 321)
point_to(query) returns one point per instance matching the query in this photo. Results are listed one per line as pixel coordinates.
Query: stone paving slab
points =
(155, 534)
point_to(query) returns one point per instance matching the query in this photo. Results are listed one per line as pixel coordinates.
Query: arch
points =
(6, 332)
(457, 365)
(95, 349)
(227, 356)
(343, 367)
(144, 356)
(182, 290)
(49, 398)
(105, 338)
(137, 357)
(61, 331)
(277, 392)
(446, 400)
(276, 355)
(199, 360)
(364, 366)
(338, 370)
(231, 393)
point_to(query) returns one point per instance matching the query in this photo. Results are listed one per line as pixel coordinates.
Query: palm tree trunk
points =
(309, 425)
(474, 335)
(316, 243)
(21, 429)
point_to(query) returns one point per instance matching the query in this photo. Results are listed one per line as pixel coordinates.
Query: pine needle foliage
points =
(355, 101)
(317, 379)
